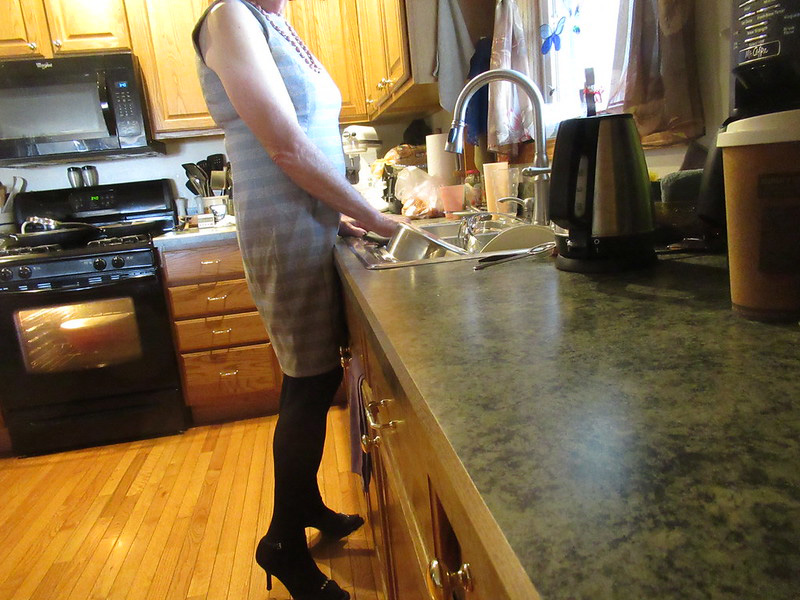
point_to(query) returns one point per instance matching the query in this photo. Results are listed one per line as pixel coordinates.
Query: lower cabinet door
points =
(231, 383)
(407, 576)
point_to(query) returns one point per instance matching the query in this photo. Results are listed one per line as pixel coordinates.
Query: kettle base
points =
(605, 265)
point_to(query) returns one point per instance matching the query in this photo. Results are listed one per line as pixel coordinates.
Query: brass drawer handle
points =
(209, 262)
(221, 331)
(372, 408)
(216, 298)
(369, 443)
(229, 373)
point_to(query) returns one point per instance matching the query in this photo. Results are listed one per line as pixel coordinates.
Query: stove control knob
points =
(99, 264)
(118, 262)
(6, 274)
(25, 272)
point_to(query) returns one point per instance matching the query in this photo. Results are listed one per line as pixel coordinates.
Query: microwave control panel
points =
(127, 110)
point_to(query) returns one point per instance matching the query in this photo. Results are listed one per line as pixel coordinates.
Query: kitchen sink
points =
(440, 241)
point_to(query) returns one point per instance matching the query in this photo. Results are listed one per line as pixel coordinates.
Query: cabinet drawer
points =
(220, 332)
(212, 263)
(248, 373)
(215, 298)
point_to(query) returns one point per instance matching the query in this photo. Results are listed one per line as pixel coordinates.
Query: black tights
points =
(297, 453)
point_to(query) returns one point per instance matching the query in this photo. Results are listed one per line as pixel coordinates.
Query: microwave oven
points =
(72, 108)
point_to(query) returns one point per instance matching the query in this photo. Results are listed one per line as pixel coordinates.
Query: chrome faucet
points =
(540, 171)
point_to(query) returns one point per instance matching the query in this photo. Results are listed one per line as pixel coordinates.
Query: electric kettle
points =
(600, 196)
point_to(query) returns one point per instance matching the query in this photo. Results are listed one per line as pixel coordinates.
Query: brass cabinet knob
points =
(441, 582)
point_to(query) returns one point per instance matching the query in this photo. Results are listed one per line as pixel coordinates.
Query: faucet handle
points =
(534, 171)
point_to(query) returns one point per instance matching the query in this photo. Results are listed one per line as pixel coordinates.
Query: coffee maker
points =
(765, 78)
(765, 57)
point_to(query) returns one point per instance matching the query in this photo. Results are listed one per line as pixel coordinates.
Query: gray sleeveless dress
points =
(286, 236)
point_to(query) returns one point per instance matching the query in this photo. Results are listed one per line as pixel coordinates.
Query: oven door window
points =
(78, 337)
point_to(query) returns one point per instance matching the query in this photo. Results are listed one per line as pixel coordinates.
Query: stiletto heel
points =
(297, 571)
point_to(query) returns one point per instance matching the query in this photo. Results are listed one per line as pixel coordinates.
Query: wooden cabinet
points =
(228, 368)
(47, 28)
(330, 29)
(434, 535)
(384, 48)
(161, 33)
(398, 40)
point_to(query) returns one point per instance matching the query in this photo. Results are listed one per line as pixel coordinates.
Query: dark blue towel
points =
(478, 108)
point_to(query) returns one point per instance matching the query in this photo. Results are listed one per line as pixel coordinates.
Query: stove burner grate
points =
(125, 239)
(45, 249)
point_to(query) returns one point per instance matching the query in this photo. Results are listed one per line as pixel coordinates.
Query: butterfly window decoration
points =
(552, 36)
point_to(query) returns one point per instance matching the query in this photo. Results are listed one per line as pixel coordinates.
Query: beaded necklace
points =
(293, 39)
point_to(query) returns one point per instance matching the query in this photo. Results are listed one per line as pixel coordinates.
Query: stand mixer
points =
(360, 144)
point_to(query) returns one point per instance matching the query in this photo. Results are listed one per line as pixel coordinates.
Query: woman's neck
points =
(271, 6)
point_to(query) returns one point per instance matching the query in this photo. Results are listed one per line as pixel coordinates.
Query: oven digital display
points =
(78, 337)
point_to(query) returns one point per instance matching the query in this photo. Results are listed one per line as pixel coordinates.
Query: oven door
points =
(74, 344)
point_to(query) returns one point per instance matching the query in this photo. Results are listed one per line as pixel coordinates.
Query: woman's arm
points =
(234, 47)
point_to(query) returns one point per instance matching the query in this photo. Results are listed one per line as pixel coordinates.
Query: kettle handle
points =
(570, 185)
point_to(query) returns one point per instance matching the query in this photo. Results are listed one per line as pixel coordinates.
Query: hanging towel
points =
(478, 107)
(510, 111)
(360, 462)
(453, 51)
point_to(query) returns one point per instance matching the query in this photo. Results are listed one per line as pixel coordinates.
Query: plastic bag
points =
(417, 191)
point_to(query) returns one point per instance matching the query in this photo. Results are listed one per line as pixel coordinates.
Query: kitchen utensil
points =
(228, 190)
(194, 172)
(600, 196)
(75, 177)
(203, 164)
(216, 162)
(17, 186)
(89, 173)
(217, 180)
(488, 261)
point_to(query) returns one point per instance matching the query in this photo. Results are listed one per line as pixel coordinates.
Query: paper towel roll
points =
(441, 164)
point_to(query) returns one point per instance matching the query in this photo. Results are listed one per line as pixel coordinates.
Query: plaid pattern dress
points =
(286, 237)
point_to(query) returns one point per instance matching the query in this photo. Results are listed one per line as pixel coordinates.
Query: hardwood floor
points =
(170, 518)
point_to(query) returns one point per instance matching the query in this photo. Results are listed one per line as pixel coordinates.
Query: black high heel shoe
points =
(336, 526)
(298, 572)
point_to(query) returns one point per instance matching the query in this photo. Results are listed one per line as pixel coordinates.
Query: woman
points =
(279, 110)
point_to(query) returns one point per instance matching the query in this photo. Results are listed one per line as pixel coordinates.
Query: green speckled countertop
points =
(632, 437)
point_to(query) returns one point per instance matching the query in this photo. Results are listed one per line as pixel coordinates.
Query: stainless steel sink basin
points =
(434, 242)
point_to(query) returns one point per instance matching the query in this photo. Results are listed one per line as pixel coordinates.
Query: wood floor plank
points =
(173, 518)
(209, 543)
(177, 482)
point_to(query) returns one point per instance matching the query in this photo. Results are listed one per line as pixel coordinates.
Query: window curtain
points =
(655, 74)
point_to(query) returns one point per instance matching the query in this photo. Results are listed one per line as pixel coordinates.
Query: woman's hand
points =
(350, 227)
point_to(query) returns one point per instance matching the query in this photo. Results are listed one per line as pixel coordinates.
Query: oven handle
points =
(85, 288)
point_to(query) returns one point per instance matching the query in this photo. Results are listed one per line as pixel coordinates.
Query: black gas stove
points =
(85, 334)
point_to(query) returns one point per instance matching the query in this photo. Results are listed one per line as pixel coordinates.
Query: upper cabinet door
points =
(330, 30)
(162, 40)
(373, 50)
(23, 30)
(396, 43)
(87, 25)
